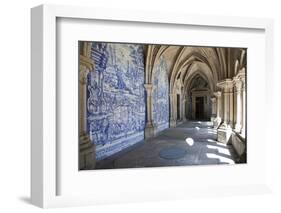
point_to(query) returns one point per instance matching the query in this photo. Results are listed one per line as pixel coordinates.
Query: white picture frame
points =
(45, 174)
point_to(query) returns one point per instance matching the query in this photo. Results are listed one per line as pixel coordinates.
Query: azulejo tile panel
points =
(161, 95)
(115, 97)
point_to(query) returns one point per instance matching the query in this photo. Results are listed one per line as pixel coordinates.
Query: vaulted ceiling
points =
(184, 63)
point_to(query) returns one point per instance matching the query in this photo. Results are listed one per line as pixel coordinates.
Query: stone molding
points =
(148, 89)
(88, 62)
(237, 83)
(217, 94)
(85, 66)
(225, 84)
(83, 73)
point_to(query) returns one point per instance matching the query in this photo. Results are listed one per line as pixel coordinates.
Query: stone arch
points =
(154, 52)
(154, 58)
(203, 71)
(195, 56)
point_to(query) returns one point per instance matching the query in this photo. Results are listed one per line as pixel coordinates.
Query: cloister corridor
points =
(190, 143)
(153, 105)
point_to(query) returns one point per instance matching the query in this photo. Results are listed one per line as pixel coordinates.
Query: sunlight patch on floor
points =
(220, 150)
(221, 158)
(189, 141)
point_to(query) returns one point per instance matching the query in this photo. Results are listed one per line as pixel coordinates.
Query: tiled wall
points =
(115, 97)
(161, 95)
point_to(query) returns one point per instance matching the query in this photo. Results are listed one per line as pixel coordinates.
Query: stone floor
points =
(191, 143)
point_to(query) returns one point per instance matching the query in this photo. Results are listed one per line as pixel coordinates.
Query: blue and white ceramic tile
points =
(115, 97)
(161, 95)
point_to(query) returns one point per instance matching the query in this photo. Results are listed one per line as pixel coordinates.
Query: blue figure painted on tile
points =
(116, 104)
(161, 95)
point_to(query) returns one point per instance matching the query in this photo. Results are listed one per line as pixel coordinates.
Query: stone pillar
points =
(87, 149)
(83, 73)
(173, 121)
(239, 101)
(243, 130)
(227, 86)
(225, 130)
(217, 120)
(225, 107)
(213, 104)
(182, 102)
(184, 109)
(231, 108)
(150, 129)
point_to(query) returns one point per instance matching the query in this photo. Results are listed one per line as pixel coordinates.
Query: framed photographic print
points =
(150, 106)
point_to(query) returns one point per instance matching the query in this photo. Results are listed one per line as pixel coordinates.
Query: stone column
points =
(83, 73)
(243, 130)
(231, 109)
(217, 120)
(219, 103)
(173, 121)
(226, 86)
(225, 130)
(225, 107)
(213, 102)
(87, 149)
(150, 126)
(184, 109)
(181, 104)
(238, 93)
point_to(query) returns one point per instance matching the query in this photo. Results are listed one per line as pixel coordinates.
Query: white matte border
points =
(137, 183)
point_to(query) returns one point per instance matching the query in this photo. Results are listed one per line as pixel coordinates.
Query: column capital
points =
(241, 74)
(83, 73)
(213, 99)
(239, 79)
(217, 94)
(225, 84)
(237, 83)
(148, 87)
(86, 48)
(87, 62)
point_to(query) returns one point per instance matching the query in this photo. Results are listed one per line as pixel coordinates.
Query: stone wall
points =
(115, 97)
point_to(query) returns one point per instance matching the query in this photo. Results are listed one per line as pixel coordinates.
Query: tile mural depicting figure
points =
(115, 97)
(161, 95)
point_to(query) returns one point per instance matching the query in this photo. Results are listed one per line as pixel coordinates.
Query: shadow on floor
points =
(198, 140)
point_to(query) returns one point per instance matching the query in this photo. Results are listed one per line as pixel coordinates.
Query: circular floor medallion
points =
(171, 153)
